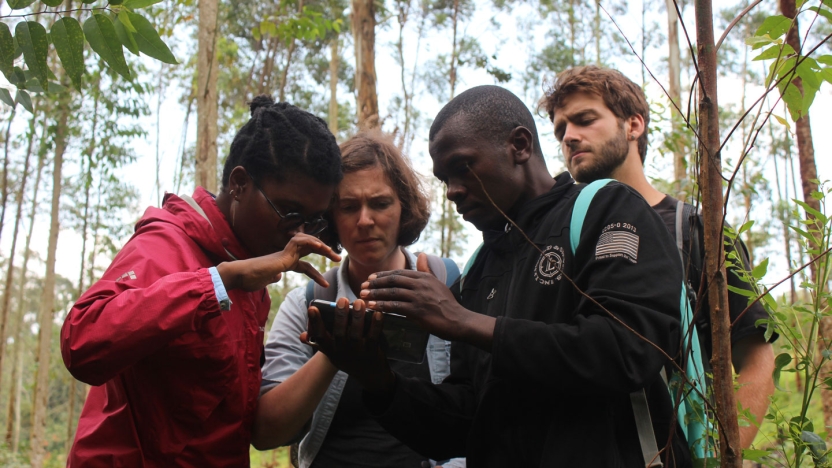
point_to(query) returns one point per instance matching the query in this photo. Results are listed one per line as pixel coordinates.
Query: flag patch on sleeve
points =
(617, 244)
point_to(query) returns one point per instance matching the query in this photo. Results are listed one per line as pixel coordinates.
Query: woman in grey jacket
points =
(380, 207)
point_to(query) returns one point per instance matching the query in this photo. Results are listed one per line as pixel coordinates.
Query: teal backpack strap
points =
(638, 399)
(468, 266)
(451, 271)
(579, 211)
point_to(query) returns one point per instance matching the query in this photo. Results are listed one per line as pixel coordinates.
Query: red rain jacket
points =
(175, 380)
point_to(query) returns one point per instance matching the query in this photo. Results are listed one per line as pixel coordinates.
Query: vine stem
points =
(38, 13)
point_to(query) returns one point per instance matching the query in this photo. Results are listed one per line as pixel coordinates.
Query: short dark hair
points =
(623, 97)
(279, 138)
(488, 111)
(372, 148)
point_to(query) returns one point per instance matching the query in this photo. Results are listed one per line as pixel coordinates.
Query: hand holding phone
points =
(401, 340)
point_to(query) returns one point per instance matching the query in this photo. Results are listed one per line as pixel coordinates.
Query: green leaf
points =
(6, 50)
(133, 4)
(31, 36)
(742, 292)
(760, 270)
(125, 20)
(34, 86)
(817, 214)
(55, 88)
(782, 360)
(746, 226)
(102, 37)
(18, 78)
(783, 122)
(6, 97)
(817, 447)
(757, 42)
(775, 51)
(754, 455)
(25, 100)
(825, 13)
(52, 3)
(19, 4)
(88, 2)
(126, 37)
(775, 26)
(149, 41)
(69, 43)
(115, 2)
(825, 59)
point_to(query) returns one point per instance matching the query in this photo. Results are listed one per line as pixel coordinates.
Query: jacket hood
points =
(213, 234)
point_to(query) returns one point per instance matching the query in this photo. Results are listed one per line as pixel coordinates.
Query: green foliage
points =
(803, 354)
(68, 38)
(102, 37)
(106, 36)
(796, 75)
(307, 25)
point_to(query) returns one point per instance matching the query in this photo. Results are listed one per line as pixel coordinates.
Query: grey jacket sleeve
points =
(285, 353)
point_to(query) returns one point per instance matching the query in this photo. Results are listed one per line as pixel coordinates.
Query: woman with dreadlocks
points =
(171, 337)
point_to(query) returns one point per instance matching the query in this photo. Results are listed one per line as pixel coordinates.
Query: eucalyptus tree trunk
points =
(364, 31)
(4, 191)
(674, 72)
(712, 201)
(334, 63)
(16, 384)
(206, 101)
(808, 176)
(47, 298)
(7, 289)
(284, 76)
(90, 150)
(454, 51)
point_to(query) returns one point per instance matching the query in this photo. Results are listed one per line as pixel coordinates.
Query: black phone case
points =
(402, 340)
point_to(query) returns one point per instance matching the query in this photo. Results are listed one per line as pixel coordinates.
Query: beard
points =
(609, 156)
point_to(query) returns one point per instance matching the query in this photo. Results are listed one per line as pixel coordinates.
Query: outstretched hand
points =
(348, 347)
(421, 297)
(257, 273)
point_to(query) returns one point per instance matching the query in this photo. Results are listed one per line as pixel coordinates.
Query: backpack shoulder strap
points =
(316, 291)
(468, 266)
(579, 211)
(443, 268)
(638, 399)
(682, 226)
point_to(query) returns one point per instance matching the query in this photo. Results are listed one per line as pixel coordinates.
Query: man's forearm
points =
(754, 363)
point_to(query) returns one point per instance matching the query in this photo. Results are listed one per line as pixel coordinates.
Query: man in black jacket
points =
(547, 346)
(600, 117)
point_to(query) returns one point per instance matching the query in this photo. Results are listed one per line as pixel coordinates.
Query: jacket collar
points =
(530, 214)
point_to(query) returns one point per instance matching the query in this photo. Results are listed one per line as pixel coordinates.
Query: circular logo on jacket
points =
(549, 266)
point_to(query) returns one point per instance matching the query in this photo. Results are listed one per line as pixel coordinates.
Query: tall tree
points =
(7, 289)
(47, 299)
(4, 186)
(364, 33)
(16, 384)
(674, 89)
(712, 201)
(206, 99)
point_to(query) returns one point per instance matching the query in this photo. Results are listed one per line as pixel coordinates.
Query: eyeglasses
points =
(289, 221)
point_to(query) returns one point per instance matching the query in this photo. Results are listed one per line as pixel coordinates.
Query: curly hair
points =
(280, 138)
(372, 148)
(623, 97)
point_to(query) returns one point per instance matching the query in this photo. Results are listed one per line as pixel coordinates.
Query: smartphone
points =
(402, 340)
